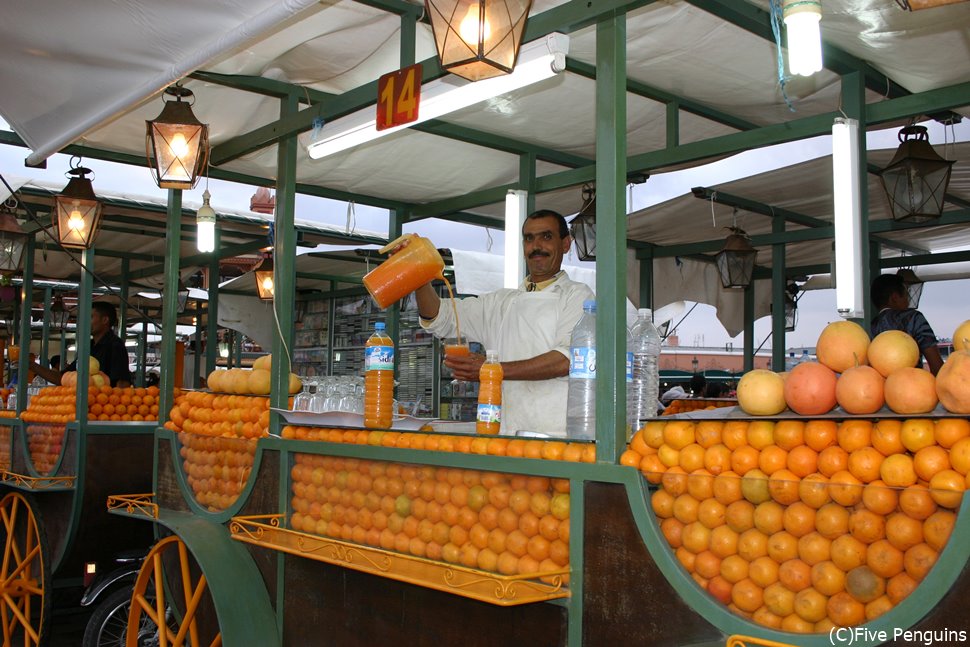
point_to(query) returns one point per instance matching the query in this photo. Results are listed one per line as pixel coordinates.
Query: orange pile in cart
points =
(503, 523)
(683, 406)
(806, 524)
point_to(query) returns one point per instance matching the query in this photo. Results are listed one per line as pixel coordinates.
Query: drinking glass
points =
(318, 401)
(301, 402)
(454, 348)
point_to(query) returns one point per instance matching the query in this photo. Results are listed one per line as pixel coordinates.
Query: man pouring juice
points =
(529, 327)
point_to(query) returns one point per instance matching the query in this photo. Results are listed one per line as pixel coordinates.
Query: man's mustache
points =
(537, 253)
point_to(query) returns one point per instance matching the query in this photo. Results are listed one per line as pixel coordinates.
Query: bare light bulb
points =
(205, 220)
(268, 283)
(180, 147)
(468, 29)
(75, 222)
(804, 37)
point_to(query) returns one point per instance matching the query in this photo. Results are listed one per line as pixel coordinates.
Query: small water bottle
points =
(581, 400)
(12, 400)
(643, 389)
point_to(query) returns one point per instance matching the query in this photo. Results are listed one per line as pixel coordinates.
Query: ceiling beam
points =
(198, 259)
(500, 143)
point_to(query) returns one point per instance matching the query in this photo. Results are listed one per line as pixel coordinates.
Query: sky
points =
(699, 328)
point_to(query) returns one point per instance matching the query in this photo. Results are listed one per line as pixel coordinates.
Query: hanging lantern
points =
(78, 210)
(12, 241)
(60, 315)
(177, 142)
(478, 39)
(735, 261)
(914, 285)
(182, 298)
(264, 279)
(205, 222)
(791, 307)
(583, 226)
(916, 178)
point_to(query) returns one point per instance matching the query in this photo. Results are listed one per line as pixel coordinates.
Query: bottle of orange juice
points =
(378, 379)
(489, 395)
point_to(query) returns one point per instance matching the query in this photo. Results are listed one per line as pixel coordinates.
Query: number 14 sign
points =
(398, 96)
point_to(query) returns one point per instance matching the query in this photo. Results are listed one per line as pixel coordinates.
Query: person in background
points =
(715, 390)
(55, 362)
(106, 347)
(697, 384)
(891, 299)
(530, 327)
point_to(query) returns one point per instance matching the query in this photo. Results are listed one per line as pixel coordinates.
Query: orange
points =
(783, 486)
(720, 588)
(678, 433)
(538, 548)
(779, 600)
(735, 434)
(652, 468)
(653, 433)
(845, 488)
(886, 437)
(960, 456)
(930, 460)
(827, 578)
(795, 624)
(707, 565)
(739, 516)
(946, 488)
(917, 502)
(763, 571)
(782, 546)
(747, 595)
(717, 459)
(864, 464)
(848, 552)
(917, 433)
(867, 526)
(948, 431)
(854, 434)
(711, 512)
(844, 610)
(802, 460)
(884, 559)
(880, 498)
(673, 532)
(768, 517)
(708, 433)
(684, 508)
(903, 531)
(630, 458)
(832, 520)
(761, 434)
(898, 471)
(734, 568)
(899, 587)
(813, 548)
(937, 528)
(772, 458)
(799, 519)
(813, 490)
(918, 561)
(810, 604)
(752, 544)
(639, 444)
(700, 484)
(724, 541)
(744, 459)
(766, 618)
(832, 459)
(820, 434)
(675, 480)
(878, 607)
(789, 434)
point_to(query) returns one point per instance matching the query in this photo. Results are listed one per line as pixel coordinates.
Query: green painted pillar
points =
(284, 265)
(527, 181)
(392, 315)
(645, 262)
(777, 296)
(197, 355)
(749, 327)
(212, 311)
(237, 348)
(26, 300)
(610, 238)
(408, 38)
(82, 338)
(173, 231)
(142, 353)
(854, 107)
(673, 124)
(123, 307)
(45, 334)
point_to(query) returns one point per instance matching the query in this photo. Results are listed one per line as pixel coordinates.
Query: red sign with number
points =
(398, 96)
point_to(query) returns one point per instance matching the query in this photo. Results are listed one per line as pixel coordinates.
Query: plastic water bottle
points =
(378, 379)
(12, 400)
(581, 401)
(489, 416)
(643, 390)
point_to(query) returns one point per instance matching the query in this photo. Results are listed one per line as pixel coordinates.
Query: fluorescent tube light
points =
(847, 218)
(802, 19)
(515, 207)
(538, 60)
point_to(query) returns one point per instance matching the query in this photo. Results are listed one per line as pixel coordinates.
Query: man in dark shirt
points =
(106, 347)
(889, 295)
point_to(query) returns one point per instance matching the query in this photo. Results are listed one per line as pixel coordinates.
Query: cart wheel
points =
(24, 574)
(179, 590)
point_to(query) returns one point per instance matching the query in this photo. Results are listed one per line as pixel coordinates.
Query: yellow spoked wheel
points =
(24, 576)
(172, 594)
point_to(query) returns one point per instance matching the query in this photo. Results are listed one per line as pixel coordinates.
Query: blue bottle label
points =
(583, 364)
(629, 367)
(489, 413)
(379, 358)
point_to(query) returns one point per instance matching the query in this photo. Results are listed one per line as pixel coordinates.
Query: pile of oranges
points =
(230, 416)
(8, 413)
(683, 406)
(57, 404)
(44, 442)
(463, 444)
(503, 523)
(52, 404)
(802, 525)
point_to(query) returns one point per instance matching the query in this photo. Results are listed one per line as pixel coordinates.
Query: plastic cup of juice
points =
(455, 349)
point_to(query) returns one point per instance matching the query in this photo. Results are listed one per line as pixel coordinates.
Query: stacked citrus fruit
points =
(801, 524)
(218, 434)
(503, 523)
(682, 406)
(462, 444)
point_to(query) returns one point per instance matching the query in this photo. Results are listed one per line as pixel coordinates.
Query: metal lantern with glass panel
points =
(583, 226)
(182, 297)
(12, 241)
(735, 261)
(916, 178)
(264, 279)
(78, 210)
(176, 143)
(791, 306)
(913, 284)
(60, 315)
(478, 39)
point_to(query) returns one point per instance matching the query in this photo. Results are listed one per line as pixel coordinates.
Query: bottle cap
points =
(589, 305)
(379, 325)
(491, 355)
(645, 312)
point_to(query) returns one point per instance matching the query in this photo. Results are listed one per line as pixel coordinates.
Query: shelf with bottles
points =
(311, 343)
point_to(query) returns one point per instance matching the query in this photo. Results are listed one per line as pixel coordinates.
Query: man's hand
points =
(465, 367)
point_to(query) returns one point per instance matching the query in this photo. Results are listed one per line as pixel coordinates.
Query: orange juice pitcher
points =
(407, 269)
